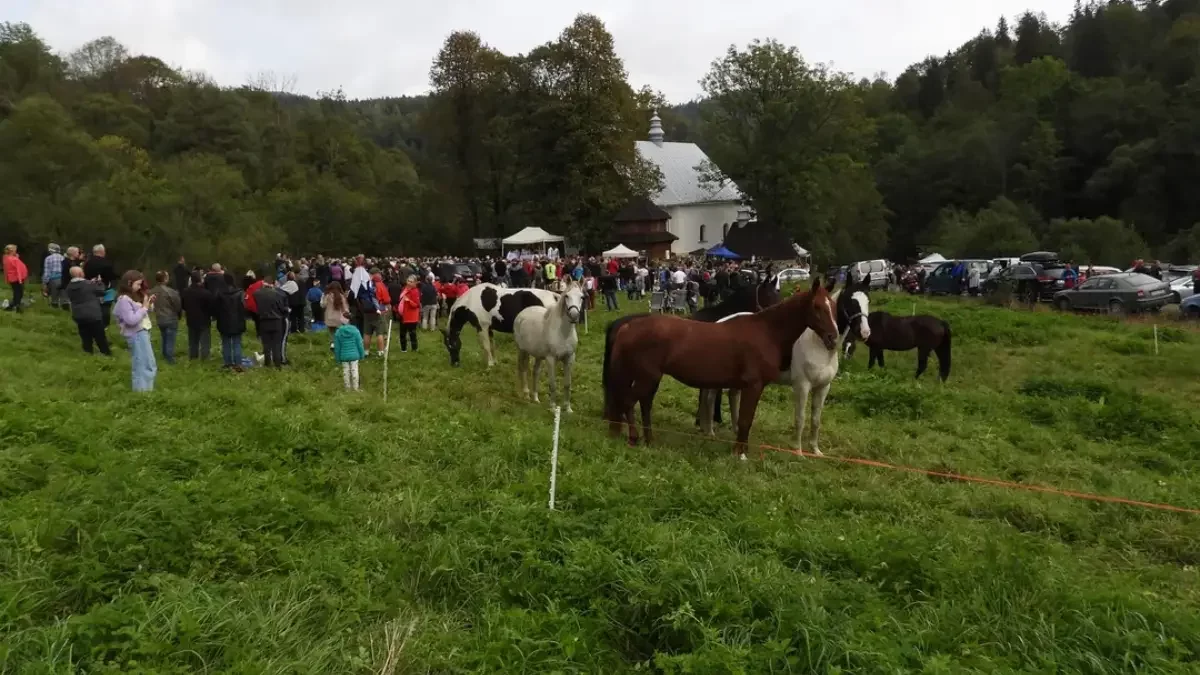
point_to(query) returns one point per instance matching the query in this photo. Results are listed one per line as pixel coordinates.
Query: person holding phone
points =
(132, 311)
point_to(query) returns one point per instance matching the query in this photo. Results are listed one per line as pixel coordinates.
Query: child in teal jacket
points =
(348, 350)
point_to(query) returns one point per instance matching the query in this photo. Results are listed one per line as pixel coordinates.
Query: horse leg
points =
(800, 391)
(746, 410)
(716, 416)
(522, 367)
(703, 420)
(735, 397)
(485, 339)
(552, 364)
(537, 374)
(922, 360)
(818, 405)
(700, 409)
(646, 399)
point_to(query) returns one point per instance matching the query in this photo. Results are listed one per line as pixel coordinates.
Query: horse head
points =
(853, 306)
(820, 316)
(453, 342)
(571, 302)
(766, 293)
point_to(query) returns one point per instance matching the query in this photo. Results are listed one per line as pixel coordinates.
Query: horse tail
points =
(943, 352)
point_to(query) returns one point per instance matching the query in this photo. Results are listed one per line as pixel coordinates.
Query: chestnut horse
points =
(746, 354)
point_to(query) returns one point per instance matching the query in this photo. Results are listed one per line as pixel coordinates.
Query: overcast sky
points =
(377, 48)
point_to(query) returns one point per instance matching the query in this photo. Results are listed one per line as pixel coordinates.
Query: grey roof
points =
(679, 163)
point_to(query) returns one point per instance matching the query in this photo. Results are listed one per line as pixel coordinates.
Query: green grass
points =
(271, 523)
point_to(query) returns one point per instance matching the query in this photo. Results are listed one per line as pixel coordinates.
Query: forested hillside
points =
(1082, 137)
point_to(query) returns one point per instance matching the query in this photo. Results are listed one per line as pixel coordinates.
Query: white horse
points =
(813, 366)
(488, 308)
(548, 334)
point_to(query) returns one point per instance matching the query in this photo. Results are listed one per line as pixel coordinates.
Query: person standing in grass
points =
(132, 311)
(272, 320)
(84, 297)
(15, 273)
(199, 306)
(52, 281)
(167, 309)
(100, 268)
(348, 350)
(336, 308)
(410, 313)
(314, 296)
(230, 311)
(429, 303)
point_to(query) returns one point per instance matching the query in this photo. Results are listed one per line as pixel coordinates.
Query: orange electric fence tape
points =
(939, 474)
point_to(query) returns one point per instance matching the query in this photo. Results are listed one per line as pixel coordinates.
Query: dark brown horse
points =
(923, 333)
(744, 354)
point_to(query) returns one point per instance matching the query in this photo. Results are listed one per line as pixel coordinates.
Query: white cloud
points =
(376, 48)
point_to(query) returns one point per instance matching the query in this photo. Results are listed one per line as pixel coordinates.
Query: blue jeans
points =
(168, 342)
(144, 367)
(231, 350)
(610, 299)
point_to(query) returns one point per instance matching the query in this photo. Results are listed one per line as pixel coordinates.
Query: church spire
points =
(656, 130)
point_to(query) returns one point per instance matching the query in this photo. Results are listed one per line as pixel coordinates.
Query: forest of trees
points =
(1084, 138)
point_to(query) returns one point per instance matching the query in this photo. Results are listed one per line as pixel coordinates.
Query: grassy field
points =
(270, 523)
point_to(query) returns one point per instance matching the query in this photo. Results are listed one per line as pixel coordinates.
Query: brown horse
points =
(745, 354)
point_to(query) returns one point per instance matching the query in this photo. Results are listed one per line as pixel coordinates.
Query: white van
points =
(877, 270)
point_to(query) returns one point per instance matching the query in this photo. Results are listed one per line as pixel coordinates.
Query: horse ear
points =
(830, 283)
(816, 283)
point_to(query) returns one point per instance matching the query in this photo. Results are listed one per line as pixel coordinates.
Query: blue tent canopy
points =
(722, 252)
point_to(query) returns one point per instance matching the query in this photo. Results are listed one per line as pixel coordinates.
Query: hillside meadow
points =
(271, 523)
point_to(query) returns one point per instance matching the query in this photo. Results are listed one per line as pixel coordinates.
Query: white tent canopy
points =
(932, 258)
(530, 236)
(620, 251)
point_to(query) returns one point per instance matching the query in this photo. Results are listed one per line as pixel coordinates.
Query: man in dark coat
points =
(199, 308)
(180, 275)
(272, 309)
(100, 268)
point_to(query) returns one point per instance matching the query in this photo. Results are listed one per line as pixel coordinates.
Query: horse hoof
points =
(817, 452)
(569, 410)
(742, 456)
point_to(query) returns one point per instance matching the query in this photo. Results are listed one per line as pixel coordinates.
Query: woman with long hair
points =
(337, 308)
(132, 312)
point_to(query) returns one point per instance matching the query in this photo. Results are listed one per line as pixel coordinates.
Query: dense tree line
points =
(1082, 137)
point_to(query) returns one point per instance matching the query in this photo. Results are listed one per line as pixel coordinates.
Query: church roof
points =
(640, 209)
(679, 164)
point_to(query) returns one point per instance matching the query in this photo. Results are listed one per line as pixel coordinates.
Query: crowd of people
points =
(351, 298)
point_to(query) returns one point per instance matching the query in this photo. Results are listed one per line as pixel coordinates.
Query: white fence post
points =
(1156, 339)
(387, 351)
(554, 457)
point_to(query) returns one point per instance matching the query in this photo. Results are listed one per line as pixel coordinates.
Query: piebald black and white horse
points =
(488, 308)
(813, 366)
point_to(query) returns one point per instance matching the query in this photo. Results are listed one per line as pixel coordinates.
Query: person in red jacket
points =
(251, 303)
(15, 273)
(410, 313)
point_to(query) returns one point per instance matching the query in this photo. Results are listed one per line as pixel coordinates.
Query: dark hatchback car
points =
(1030, 281)
(1127, 292)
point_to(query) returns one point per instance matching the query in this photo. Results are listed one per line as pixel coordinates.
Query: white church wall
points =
(686, 221)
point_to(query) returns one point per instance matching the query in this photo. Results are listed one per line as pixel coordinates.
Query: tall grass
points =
(272, 523)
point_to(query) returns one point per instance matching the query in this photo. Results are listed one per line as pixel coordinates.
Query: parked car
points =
(1181, 288)
(1097, 271)
(877, 270)
(1030, 281)
(1116, 294)
(940, 281)
(1190, 308)
(793, 275)
(1000, 264)
(447, 271)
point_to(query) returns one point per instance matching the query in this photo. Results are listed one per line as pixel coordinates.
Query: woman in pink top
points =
(132, 312)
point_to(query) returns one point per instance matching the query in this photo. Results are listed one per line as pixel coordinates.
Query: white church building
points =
(700, 215)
